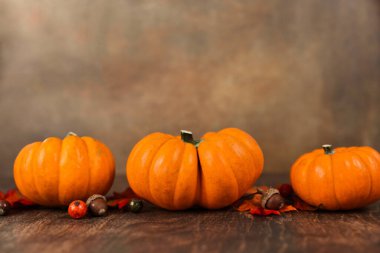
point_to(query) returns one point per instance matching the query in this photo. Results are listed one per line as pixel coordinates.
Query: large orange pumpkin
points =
(55, 172)
(338, 179)
(176, 173)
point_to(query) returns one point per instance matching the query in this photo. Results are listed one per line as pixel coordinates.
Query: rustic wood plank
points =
(51, 230)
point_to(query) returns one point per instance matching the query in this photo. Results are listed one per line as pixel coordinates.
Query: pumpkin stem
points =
(328, 149)
(187, 136)
(71, 134)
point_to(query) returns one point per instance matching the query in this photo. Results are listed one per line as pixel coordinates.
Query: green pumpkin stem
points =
(328, 149)
(187, 136)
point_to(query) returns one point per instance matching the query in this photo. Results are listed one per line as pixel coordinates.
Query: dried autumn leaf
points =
(288, 208)
(15, 198)
(251, 202)
(121, 199)
(254, 207)
(245, 206)
(263, 212)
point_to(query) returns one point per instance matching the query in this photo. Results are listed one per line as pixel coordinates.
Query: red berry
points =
(285, 190)
(77, 209)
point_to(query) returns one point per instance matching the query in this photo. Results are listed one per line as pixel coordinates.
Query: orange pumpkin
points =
(177, 173)
(338, 179)
(55, 172)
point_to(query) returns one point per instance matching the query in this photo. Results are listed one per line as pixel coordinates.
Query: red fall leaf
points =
(121, 199)
(263, 212)
(15, 198)
(251, 203)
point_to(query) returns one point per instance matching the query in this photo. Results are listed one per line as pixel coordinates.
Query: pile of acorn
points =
(97, 206)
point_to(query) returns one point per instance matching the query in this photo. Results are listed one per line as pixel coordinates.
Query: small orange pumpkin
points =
(177, 173)
(55, 172)
(337, 179)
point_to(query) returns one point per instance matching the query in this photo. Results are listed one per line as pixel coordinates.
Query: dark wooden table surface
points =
(156, 230)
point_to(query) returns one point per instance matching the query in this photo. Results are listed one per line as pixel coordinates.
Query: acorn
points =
(5, 207)
(272, 199)
(97, 204)
(135, 205)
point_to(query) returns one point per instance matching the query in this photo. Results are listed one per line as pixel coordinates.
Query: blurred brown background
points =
(294, 74)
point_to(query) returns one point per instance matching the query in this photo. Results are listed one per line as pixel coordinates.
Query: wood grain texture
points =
(155, 230)
(294, 74)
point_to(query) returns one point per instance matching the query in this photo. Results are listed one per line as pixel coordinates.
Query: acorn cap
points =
(93, 197)
(267, 195)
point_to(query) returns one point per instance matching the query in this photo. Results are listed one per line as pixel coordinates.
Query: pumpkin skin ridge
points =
(323, 163)
(19, 160)
(358, 200)
(104, 154)
(225, 162)
(307, 163)
(151, 167)
(258, 159)
(332, 172)
(86, 153)
(33, 163)
(228, 144)
(311, 166)
(373, 154)
(47, 168)
(256, 170)
(375, 158)
(155, 198)
(111, 164)
(207, 191)
(149, 171)
(57, 202)
(180, 171)
(73, 157)
(132, 160)
(369, 172)
(25, 154)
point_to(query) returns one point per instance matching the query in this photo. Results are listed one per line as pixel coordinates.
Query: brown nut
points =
(97, 204)
(272, 200)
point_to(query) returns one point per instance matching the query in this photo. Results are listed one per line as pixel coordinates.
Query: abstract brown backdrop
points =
(294, 74)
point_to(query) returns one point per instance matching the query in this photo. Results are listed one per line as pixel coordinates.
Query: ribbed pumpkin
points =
(55, 172)
(177, 173)
(338, 179)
